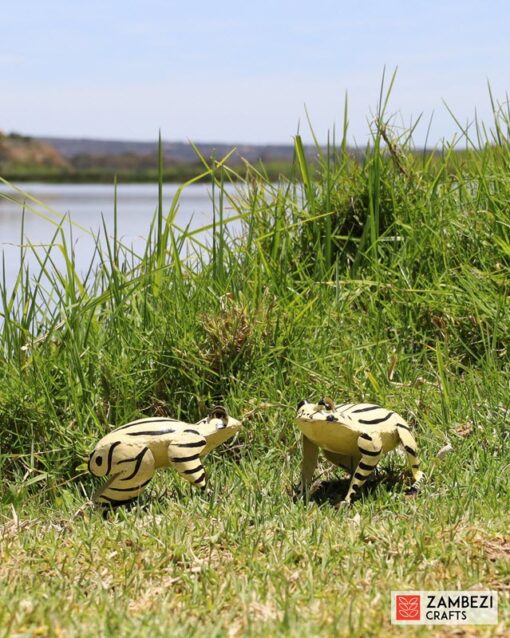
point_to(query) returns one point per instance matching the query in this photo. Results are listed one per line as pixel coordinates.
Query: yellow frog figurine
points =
(131, 453)
(353, 436)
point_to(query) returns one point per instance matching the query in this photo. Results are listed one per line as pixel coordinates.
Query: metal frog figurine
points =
(131, 453)
(353, 436)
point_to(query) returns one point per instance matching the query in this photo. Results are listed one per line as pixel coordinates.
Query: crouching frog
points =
(352, 436)
(131, 453)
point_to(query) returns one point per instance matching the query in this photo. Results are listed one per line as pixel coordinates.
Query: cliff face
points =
(19, 151)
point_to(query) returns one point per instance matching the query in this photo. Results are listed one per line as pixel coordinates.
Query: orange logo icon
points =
(407, 607)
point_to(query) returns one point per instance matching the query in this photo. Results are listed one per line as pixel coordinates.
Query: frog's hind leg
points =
(125, 485)
(184, 456)
(409, 443)
(370, 448)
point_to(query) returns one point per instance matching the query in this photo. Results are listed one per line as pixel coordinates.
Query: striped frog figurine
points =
(352, 436)
(131, 453)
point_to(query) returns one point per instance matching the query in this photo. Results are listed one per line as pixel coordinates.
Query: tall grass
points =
(383, 279)
(405, 251)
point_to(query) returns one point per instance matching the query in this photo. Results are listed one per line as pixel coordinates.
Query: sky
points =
(248, 72)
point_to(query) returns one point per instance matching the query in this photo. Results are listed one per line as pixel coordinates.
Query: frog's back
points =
(149, 429)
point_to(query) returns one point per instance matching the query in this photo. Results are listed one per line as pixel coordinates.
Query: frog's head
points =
(307, 411)
(302, 404)
(327, 404)
(217, 427)
(304, 410)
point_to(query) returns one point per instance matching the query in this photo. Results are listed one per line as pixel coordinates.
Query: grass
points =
(382, 280)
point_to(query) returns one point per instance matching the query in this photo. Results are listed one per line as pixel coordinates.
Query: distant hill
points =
(178, 152)
(18, 152)
(63, 159)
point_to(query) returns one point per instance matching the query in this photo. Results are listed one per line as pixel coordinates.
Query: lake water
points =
(85, 204)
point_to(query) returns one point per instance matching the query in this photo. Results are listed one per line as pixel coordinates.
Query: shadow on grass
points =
(334, 491)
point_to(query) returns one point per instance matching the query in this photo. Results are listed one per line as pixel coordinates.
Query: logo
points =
(407, 607)
(471, 607)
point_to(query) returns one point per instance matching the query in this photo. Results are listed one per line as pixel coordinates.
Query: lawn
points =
(382, 280)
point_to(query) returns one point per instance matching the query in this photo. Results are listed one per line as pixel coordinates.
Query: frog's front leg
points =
(310, 457)
(184, 456)
(370, 447)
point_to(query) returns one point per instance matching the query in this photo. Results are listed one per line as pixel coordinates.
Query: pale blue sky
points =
(244, 71)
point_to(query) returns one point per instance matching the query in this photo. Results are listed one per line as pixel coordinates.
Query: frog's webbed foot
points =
(296, 492)
(300, 492)
(342, 504)
(206, 492)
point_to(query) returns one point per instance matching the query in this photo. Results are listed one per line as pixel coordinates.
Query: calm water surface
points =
(85, 204)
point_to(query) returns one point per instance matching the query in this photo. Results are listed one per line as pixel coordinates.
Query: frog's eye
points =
(218, 412)
(99, 460)
(327, 403)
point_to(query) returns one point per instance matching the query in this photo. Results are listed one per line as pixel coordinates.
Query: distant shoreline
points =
(176, 174)
(61, 160)
(91, 161)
